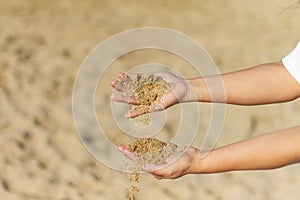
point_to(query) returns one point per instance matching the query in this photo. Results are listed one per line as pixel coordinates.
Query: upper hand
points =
(179, 92)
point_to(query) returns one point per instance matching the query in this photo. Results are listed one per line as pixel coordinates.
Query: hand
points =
(180, 92)
(174, 168)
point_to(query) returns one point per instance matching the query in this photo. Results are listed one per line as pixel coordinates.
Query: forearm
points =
(261, 84)
(266, 151)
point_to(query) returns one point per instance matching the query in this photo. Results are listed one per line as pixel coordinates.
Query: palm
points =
(178, 91)
(175, 167)
(177, 94)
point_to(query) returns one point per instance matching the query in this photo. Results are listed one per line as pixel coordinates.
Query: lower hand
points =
(174, 167)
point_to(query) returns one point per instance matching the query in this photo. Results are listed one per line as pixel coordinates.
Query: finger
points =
(122, 76)
(124, 99)
(134, 114)
(158, 174)
(113, 83)
(127, 153)
(154, 169)
(118, 85)
(158, 177)
(149, 168)
(153, 108)
(164, 75)
(157, 107)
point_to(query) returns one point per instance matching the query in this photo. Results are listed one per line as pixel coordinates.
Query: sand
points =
(147, 151)
(147, 90)
(43, 44)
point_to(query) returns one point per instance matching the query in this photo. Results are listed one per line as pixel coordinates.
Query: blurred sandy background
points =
(42, 45)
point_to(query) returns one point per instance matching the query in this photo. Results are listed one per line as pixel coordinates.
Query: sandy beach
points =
(43, 44)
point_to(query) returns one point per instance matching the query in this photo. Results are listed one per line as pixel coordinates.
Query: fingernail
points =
(121, 74)
(124, 150)
(128, 115)
(144, 168)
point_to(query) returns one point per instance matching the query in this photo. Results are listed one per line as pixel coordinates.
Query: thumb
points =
(129, 154)
(151, 167)
(134, 114)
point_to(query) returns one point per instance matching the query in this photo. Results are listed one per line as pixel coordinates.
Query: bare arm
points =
(261, 84)
(267, 151)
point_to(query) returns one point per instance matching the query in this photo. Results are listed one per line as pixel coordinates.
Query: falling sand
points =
(147, 90)
(147, 151)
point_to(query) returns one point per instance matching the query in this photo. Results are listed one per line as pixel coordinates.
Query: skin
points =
(262, 84)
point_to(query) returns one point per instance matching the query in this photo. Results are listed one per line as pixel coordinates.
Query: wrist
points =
(205, 164)
(198, 90)
(197, 164)
(193, 90)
